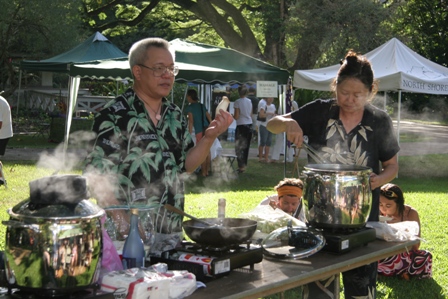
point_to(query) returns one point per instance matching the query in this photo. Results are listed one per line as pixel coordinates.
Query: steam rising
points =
(102, 186)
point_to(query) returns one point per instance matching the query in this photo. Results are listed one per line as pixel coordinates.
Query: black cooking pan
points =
(222, 232)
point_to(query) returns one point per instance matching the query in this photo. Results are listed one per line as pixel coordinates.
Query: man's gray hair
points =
(138, 51)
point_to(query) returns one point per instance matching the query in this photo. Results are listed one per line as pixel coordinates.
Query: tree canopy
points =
(292, 34)
(34, 30)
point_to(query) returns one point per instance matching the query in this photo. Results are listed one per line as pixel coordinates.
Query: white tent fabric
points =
(396, 67)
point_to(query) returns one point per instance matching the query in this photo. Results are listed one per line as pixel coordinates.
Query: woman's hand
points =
(284, 123)
(294, 132)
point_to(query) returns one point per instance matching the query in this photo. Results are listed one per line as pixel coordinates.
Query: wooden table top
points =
(273, 275)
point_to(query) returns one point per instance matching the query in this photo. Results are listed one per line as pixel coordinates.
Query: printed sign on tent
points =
(267, 89)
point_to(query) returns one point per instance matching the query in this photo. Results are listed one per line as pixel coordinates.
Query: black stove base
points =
(341, 242)
(208, 264)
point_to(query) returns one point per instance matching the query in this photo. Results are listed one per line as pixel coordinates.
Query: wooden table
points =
(273, 276)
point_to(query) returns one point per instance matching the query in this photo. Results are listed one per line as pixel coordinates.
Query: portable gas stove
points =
(208, 262)
(343, 240)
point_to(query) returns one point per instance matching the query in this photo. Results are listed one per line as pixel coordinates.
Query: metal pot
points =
(53, 248)
(336, 196)
(222, 232)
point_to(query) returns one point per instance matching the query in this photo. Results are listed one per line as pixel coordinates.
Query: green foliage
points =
(105, 87)
(303, 96)
(423, 22)
(28, 29)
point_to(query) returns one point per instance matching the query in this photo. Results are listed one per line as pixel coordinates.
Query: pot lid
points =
(336, 167)
(292, 243)
(83, 209)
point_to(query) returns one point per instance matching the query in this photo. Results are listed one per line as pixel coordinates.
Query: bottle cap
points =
(134, 211)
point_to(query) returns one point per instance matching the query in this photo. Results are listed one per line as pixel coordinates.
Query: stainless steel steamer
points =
(55, 248)
(336, 196)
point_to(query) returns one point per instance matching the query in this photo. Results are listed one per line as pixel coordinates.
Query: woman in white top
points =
(243, 132)
(5, 131)
(266, 111)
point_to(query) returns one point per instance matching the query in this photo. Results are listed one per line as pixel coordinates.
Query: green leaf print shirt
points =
(147, 160)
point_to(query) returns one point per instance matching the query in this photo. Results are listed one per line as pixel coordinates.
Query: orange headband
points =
(288, 190)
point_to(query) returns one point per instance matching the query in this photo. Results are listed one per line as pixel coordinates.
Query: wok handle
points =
(180, 212)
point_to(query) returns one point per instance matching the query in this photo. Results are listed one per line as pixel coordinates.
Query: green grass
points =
(423, 178)
(29, 141)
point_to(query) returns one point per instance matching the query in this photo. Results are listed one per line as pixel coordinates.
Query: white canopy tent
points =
(396, 67)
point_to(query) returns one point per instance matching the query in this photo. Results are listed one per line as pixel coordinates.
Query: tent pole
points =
(72, 99)
(282, 103)
(398, 121)
(399, 116)
(185, 97)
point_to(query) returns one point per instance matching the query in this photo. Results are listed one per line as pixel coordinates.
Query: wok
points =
(226, 232)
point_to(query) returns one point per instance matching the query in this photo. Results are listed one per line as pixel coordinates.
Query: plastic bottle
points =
(133, 249)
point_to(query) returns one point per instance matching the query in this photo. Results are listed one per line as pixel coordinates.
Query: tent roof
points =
(200, 63)
(395, 66)
(95, 47)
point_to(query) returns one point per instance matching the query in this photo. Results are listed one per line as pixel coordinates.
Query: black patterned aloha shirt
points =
(372, 141)
(148, 160)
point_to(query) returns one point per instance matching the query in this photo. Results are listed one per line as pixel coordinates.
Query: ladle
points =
(180, 212)
(313, 153)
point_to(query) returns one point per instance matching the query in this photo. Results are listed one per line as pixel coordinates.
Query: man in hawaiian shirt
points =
(143, 146)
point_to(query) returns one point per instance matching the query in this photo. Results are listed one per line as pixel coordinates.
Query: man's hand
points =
(219, 125)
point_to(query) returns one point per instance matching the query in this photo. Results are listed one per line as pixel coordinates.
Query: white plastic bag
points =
(270, 219)
(395, 232)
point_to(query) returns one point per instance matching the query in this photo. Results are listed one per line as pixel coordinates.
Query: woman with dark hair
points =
(415, 262)
(349, 130)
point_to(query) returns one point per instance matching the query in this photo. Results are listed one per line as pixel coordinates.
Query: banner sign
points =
(267, 89)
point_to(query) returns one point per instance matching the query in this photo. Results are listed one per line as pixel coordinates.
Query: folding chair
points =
(43, 129)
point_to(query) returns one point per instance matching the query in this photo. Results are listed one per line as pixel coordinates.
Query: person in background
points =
(243, 133)
(199, 119)
(349, 130)
(143, 149)
(5, 132)
(252, 96)
(265, 111)
(415, 262)
(288, 198)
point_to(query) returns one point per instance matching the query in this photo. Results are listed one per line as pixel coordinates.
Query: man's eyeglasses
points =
(389, 193)
(160, 70)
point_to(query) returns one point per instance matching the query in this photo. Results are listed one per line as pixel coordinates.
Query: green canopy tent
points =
(95, 47)
(198, 63)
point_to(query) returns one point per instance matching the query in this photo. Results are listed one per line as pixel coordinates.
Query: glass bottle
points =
(133, 249)
(221, 208)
